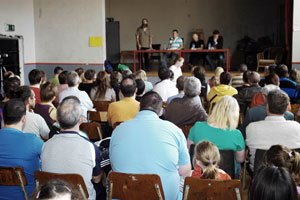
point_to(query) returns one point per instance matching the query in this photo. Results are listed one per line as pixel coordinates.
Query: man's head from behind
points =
(253, 78)
(278, 102)
(282, 71)
(192, 87)
(180, 83)
(164, 73)
(225, 78)
(243, 68)
(73, 79)
(151, 101)
(128, 87)
(14, 112)
(69, 113)
(58, 70)
(35, 76)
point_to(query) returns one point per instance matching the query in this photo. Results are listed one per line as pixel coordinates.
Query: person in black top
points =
(215, 42)
(196, 44)
(90, 77)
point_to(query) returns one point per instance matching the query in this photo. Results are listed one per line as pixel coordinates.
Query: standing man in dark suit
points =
(215, 42)
(144, 42)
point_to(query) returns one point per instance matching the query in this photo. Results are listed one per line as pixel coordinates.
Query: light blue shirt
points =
(149, 145)
(181, 96)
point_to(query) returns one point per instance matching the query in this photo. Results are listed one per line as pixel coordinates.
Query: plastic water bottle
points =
(193, 47)
(209, 46)
(165, 46)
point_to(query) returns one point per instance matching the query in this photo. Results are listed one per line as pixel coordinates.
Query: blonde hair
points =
(215, 80)
(225, 113)
(209, 156)
(141, 74)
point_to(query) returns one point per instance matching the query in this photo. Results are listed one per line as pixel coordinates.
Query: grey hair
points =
(192, 87)
(72, 78)
(268, 88)
(69, 113)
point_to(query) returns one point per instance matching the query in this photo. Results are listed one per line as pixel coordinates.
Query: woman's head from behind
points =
(207, 156)
(273, 183)
(225, 113)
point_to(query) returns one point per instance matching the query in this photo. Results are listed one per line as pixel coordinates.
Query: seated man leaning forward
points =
(149, 145)
(70, 153)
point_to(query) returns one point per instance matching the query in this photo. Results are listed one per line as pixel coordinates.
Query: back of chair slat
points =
(93, 130)
(75, 180)
(135, 186)
(195, 188)
(259, 157)
(227, 162)
(101, 106)
(93, 116)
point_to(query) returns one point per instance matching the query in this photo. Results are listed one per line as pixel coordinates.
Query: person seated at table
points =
(196, 44)
(215, 42)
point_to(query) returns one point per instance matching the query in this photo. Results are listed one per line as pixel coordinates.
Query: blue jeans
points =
(210, 57)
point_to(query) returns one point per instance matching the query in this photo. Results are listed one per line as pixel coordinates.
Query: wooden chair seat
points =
(93, 130)
(135, 186)
(13, 176)
(75, 180)
(206, 189)
(267, 61)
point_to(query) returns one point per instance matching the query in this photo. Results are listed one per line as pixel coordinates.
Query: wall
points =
(62, 30)
(296, 35)
(233, 18)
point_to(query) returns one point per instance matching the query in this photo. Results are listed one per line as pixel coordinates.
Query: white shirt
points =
(176, 71)
(35, 123)
(271, 131)
(85, 101)
(166, 89)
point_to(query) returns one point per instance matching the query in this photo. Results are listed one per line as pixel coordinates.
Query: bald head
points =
(128, 87)
(69, 113)
(254, 78)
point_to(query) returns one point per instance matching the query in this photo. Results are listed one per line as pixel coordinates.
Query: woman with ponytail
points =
(206, 159)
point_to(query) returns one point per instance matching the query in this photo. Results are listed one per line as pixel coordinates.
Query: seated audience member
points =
(88, 84)
(199, 72)
(187, 110)
(141, 74)
(54, 79)
(295, 76)
(275, 129)
(56, 189)
(269, 69)
(286, 84)
(176, 68)
(221, 90)
(80, 72)
(196, 44)
(281, 156)
(206, 159)
(258, 99)
(126, 73)
(215, 42)
(18, 149)
(220, 128)
(273, 183)
(46, 109)
(69, 152)
(245, 80)
(140, 85)
(34, 122)
(259, 113)
(115, 80)
(126, 108)
(102, 90)
(73, 81)
(244, 96)
(167, 154)
(44, 77)
(35, 80)
(179, 85)
(63, 84)
(215, 80)
(165, 88)
(237, 81)
(10, 88)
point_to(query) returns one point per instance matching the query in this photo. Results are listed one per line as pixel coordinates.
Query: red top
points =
(257, 100)
(37, 94)
(197, 173)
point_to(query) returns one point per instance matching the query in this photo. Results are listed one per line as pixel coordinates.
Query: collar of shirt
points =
(275, 118)
(68, 132)
(146, 114)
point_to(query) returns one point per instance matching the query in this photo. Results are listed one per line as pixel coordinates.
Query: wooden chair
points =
(93, 130)
(75, 180)
(206, 189)
(185, 129)
(93, 116)
(164, 105)
(135, 186)
(272, 55)
(101, 106)
(13, 176)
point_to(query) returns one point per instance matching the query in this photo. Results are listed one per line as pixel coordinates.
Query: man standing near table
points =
(144, 42)
(215, 42)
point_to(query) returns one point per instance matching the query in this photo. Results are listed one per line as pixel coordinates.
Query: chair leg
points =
(99, 133)
(238, 194)
(82, 192)
(186, 192)
(110, 190)
(158, 192)
(22, 185)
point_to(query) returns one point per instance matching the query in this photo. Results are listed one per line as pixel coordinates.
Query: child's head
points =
(281, 156)
(48, 92)
(207, 156)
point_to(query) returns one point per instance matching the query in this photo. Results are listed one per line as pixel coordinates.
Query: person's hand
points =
(140, 46)
(150, 47)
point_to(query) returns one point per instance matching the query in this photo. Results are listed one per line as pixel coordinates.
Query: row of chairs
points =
(130, 186)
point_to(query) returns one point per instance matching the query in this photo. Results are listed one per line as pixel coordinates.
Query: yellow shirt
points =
(122, 110)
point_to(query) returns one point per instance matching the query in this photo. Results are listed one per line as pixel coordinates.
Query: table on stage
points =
(181, 52)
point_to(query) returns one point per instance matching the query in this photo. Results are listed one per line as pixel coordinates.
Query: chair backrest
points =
(13, 176)
(135, 186)
(75, 180)
(156, 46)
(185, 129)
(93, 116)
(195, 188)
(93, 130)
(259, 157)
(101, 106)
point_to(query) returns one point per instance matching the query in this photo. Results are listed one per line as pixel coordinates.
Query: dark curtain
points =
(288, 29)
